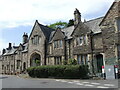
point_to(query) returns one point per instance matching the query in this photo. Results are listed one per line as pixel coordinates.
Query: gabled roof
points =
(68, 31)
(51, 36)
(94, 25)
(10, 51)
(46, 30)
(108, 11)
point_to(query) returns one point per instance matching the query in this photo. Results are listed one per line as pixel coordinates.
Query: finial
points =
(85, 20)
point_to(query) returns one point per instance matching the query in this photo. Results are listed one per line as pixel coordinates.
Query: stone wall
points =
(40, 48)
(109, 33)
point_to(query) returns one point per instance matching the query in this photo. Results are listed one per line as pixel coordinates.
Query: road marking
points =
(96, 83)
(70, 82)
(85, 82)
(75, 81)
(102, 87)
(57, 80)
(79, 83)
(89, 85)
(109, 85)
(63, 81)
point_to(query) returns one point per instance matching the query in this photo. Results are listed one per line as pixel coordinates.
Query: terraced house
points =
(94, 43)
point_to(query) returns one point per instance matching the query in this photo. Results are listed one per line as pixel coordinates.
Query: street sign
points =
(109, 70)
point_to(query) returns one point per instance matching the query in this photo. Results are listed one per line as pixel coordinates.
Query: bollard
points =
(116, 71)
(103, 72)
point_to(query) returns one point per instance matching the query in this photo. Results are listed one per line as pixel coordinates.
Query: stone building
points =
(0, 65)
(94, 43)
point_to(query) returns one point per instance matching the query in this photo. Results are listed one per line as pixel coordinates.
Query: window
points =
(82, 59)
(50, 50)
(18, 64)
(85, 39)
(118, 24)
(79, 59)
(11, 67)
(7, 67)
(118, 51)
(2, 67)
(58, 61)
(35, 40)
(58, 44)
(79, 41)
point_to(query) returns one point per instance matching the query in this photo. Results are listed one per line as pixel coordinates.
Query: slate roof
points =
(25, 47)
(94, 25)
(68, 31)
(15, 48)
(51, 36)
(10, 51)
(46, 30)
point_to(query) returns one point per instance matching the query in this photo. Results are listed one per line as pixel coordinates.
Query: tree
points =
(70, 23)
(58, 25)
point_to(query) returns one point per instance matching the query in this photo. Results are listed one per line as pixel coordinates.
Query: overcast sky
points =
(18, 16)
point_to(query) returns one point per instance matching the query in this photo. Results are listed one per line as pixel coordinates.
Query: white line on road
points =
(85, 82)
(102, 87)
(96, 83)
(63, 81)
(76, 81)
(109, 85)
(89, 85)
(79, 83)
(70, 82)
(57, 80)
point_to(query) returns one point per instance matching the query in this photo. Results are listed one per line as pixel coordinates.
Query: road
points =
(17, 82)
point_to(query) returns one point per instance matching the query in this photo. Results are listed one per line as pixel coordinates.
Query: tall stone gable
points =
(110, 34)
(39, 49)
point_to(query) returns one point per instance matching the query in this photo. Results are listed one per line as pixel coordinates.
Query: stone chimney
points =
(25, 38)
(10, 46)
(117, 1)
(77, 17)
(3, 51)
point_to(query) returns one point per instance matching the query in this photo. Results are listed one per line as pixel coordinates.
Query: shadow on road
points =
(3, 77)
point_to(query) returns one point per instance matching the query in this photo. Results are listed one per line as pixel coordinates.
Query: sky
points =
(18, 16)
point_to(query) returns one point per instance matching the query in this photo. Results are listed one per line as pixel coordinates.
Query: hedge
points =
(59, 71)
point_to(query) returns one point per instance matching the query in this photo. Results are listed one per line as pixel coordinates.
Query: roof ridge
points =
(45, 26)
(94, 19)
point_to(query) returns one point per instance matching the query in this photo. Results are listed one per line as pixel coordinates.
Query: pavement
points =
(24, 81)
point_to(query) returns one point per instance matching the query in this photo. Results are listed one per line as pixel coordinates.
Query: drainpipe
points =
(14, 64)
(91, 36)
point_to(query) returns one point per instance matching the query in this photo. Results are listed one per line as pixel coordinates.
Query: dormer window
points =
(79, 40)
(58, 44)
(35, 40)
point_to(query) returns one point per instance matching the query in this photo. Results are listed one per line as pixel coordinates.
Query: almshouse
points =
(94, 43)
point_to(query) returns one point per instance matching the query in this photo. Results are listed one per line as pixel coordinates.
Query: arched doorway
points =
(24, 66)
(35, 59)
(99, 59)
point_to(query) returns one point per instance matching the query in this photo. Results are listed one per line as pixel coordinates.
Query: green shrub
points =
(58, 71)
(72, 62)
(64, 62)
(72, 71)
